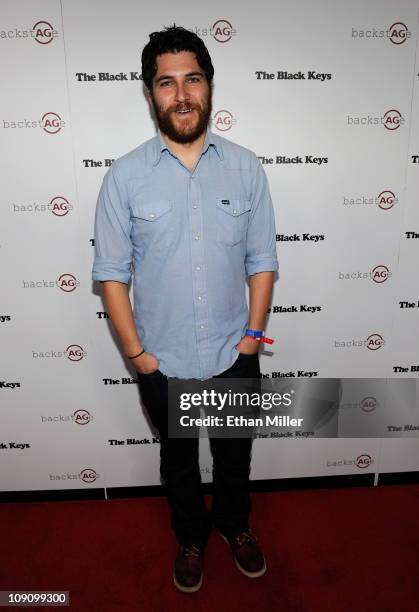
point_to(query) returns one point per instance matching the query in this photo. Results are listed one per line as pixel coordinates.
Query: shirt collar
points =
(209, 141)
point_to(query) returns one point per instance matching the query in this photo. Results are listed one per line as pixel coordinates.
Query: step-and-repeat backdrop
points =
(327, 95)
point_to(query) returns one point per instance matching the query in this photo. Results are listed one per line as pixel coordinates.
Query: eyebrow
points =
(169, 76)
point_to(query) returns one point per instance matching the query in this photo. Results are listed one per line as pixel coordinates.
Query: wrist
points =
(136, 354)
(258, 336)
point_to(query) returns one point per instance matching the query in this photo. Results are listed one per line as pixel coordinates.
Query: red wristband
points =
(262, 339)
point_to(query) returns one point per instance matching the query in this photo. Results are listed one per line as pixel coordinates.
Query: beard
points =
(183, 129)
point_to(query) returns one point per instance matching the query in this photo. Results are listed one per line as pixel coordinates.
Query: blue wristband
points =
(254, 333)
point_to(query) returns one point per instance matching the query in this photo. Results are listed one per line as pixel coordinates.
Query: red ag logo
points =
(363, 461)
(374, 342)
(67, 282)
(380, 274)
(74, 352)
(398, 33)
(223, 120)
(368, 404)
(82, 417)
(59, 206)
(392, 119)
(222, 30)
(386, 199)
(88, 475)
(43, 32)
(51, 123)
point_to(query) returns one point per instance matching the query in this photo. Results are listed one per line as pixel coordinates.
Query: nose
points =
(181, 92)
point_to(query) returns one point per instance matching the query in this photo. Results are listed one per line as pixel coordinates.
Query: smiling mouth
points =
(184, 111)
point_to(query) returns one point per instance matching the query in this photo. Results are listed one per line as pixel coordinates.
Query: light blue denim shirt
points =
(190, 239)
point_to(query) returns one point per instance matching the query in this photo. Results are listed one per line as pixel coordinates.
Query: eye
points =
(194, 79)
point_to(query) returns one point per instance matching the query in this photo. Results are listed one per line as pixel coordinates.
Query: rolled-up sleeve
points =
(113, 246)
(261, 234)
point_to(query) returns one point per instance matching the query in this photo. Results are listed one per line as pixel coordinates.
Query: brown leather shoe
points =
(187, 572)
(247, 554)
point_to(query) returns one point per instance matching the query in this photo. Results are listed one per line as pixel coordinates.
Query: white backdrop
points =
(347, 206)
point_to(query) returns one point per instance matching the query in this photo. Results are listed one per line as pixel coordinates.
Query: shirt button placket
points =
(201, 319)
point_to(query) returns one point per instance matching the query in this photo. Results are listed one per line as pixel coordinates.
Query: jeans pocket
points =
(247, 355)
(149, 374)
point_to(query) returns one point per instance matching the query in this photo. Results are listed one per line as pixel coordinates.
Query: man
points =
(191, 212)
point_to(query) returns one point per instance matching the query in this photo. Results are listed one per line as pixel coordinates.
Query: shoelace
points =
(245, 537)
(191, 551)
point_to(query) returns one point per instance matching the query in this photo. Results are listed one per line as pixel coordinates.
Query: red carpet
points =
(333, 550)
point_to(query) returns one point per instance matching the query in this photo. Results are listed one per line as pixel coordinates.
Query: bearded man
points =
(188, 215)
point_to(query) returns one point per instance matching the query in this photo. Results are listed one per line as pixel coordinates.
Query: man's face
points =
(181, 96)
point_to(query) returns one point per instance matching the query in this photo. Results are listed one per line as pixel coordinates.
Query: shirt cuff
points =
(261, 263)
(112, 270)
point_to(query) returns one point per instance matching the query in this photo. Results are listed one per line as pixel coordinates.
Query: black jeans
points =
(179, 466)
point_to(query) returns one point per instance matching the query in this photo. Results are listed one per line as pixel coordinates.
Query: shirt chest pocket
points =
(152, 224)
(232, 220)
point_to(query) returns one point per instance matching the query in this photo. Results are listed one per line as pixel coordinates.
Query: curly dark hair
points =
(171, 40)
